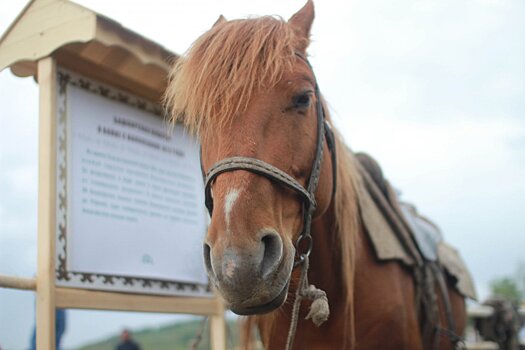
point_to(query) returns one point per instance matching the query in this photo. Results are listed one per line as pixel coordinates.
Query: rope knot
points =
(319, 310)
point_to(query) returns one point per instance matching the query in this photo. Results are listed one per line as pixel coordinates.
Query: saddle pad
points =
(386, 244)
(450, 259)
(393, 234)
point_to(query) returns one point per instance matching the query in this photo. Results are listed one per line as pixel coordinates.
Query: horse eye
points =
(302, 100)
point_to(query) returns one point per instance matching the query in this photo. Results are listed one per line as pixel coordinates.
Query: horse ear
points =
(301, 22)
(219, 20)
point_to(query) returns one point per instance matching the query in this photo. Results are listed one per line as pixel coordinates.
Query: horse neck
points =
(332, 264)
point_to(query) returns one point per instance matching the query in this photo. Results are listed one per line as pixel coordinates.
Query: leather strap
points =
(450, 331)
(256, 166)
(330, 141)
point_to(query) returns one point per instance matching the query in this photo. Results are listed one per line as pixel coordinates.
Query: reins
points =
(319, 310)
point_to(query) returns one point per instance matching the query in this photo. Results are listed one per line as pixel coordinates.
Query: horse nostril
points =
(273, 249)
(207, 260)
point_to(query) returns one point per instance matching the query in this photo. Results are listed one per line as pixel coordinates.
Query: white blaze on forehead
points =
(229, 201)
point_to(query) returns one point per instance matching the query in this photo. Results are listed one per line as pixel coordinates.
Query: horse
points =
(282, 202)
(503, 326)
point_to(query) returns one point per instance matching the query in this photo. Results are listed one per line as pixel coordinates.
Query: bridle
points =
(259, 167)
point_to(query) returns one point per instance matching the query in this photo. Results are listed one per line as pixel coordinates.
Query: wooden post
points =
(45, 280)
(17, 283)
(218, 327)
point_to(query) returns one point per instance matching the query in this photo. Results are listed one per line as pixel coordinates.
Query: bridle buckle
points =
(300, 243)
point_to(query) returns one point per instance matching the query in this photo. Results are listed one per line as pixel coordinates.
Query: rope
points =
(319, 310)
(198, 335)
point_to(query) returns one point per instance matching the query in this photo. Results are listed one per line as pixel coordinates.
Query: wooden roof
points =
(85, 42)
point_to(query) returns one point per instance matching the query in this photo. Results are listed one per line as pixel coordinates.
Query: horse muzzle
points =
(254, 278)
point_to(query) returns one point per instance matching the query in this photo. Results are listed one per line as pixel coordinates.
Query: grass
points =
(176, 336)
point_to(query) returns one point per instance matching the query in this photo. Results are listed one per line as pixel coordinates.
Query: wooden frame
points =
(71, 298)
(48, 296)
(58, 32)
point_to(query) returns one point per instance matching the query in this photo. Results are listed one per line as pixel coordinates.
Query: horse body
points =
(384, 307)
(246, 88)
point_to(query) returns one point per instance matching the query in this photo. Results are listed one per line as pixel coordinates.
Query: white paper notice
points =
(135, 193)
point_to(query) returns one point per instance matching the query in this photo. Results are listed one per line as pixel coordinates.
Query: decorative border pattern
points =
(65, 277)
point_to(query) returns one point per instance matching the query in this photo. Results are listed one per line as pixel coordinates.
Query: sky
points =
(432, 89)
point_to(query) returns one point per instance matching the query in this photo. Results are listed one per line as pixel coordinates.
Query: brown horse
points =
(246, 88)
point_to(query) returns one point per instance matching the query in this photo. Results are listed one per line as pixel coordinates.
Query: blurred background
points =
(435, 90)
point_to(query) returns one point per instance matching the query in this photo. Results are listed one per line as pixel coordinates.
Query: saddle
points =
(399, 232)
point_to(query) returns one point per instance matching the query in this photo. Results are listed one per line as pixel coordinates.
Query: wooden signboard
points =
(120, 213)
(130, 206)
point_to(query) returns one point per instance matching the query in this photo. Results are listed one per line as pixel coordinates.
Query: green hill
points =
(176, 336)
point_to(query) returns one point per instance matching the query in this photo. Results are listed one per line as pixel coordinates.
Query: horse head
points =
(246, 88)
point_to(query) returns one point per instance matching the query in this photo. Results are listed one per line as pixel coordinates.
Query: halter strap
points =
(257, 166)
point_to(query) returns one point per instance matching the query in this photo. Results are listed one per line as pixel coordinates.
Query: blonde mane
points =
(214, 81)
(347, 223)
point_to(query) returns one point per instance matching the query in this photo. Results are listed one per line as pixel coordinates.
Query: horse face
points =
(249, 249)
